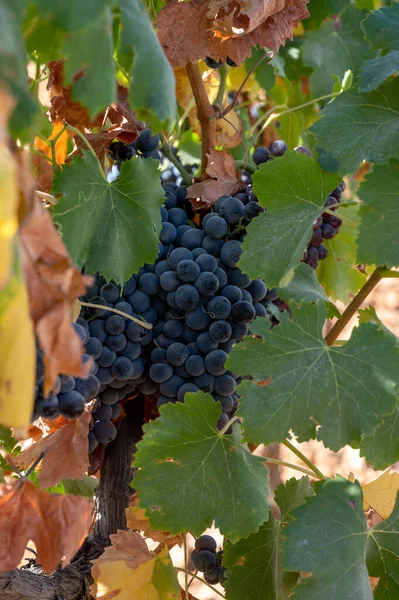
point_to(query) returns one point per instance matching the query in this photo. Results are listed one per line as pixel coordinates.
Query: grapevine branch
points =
(351, 309)
(205, 112)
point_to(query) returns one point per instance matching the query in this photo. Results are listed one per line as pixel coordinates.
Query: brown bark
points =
(113, 495)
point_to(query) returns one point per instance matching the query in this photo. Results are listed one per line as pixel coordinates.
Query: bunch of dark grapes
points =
(70, 394)
(325, 227)
(206, 560)
(145, 145)
(216, 64)
(198, 303)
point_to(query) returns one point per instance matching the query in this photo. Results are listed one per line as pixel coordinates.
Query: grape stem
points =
(86, 141)
(283, 463)
(304, 459)
(223, 73)
(230, 422)
(167, 151)
(271, 115)
(205, 112)
(185, 567)
(118, 312)
(242, 164)
(33, 466)
(269, 55)
(202, 581)
(356, 303)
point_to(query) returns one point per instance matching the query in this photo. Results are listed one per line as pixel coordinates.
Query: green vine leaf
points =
(254, 564)
(13, 73)
(293, 189)
(333, 50)
(90, 47)
(346, 390)
(357, 127)
(338, 273)
(187, 470)
(375, 71)
(152, 89)
(290, 495)
(378, 239)
(381, 448)
(382, 31)
(381, 28)
(327, 539)
(111, 227)
(320, 10)
(304, 286)
(74, 14)
(383, 555)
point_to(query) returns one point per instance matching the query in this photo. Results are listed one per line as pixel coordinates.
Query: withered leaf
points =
(136, 519)
(224, 179)
(53, 284)
(225, 28)
(56, 524)
(65, 452)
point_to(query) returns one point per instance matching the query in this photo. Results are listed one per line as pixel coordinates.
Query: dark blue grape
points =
(207, 262)
(105, 431)
(122, 368)
(116, 342)
(177, 255)
(187, 297)
(72, 404)
(207, 283)
(115, 324)
(215, 362)
(177, 354)
(171, 387)
(205, 382)
(219, 307)
(149, 284)
(110, 292)
(232, 210)
(216, 228)
(67, 383)
(170, 281)
(242, 312)
(139, 301)
(212, 246)
(109, 396)
(220, 331)
(192, 239)
(197, 319)
(135, 332)
(205, 343)
(186, 389)
(106, 357)
(195, 365)
(261, 155)
(147, 142)
(160, 372)
(48, 407)
(232, 293)
(231, 252)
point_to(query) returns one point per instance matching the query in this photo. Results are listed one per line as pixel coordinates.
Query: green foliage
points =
(374, 72)
(338, 273)
(331, 532)
(119, 223)
(260, 574)
(92, 91)
(293, 189)
(356, 127)
(138, 36)
(303, 286)
(321, 9)
(383, 555)
(192, 455)
(346, 390)
(378, 240)
(332, 50)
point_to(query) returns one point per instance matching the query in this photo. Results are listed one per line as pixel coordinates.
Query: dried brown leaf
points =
(224, 29)
(65, 452)
(136, 519)
(56, 524)
(224, 179)
(53, 284)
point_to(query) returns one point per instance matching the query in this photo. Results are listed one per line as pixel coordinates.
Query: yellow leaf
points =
(8, 195)
(61, 145)
(236, 77)
(381, 493)
(17, 357)
(127, 570)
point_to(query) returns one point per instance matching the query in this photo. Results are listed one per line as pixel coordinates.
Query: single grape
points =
(231, 252)
(149, 284)
(220, 331)
(187, 296)
(160, 372)
(110, 292)
(105, 431)
(204, 561)
(232, 210)
(72, 404)
(205, 542)
(215, 362)
(261, 155)
(207, 283)
(278, 148)
(186, 388)
(188, 270)
(242, 312)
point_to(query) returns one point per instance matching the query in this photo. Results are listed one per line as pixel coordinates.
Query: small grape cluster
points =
(69, 394)
(216, 64)
(325, 227)
(206, 560)
(145, 145)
